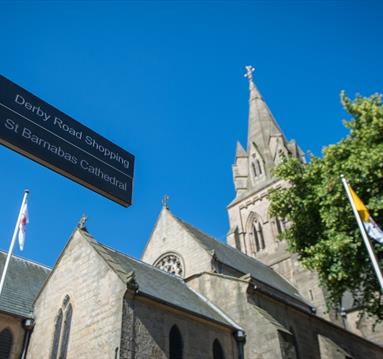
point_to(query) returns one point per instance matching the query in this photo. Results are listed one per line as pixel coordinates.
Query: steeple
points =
(264, 136)
(261, 119)
(266, 145)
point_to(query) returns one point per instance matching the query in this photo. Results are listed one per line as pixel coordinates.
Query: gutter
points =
(28, 325)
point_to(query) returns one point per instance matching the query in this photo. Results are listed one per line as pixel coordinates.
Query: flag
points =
(371, 227)
(24, 220)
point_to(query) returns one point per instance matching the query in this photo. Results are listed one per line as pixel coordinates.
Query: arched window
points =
(62, 330)
(279, 225)
(256, 163)
(259, 166)
(255, 172)
(256, 166)
(255, 240)
(258, 236)
(236, 238)
(217, 350)
(66, 331)
(6, 342)
(175, 343)
(56, 335)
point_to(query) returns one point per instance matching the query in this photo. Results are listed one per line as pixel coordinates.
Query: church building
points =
(190, 296)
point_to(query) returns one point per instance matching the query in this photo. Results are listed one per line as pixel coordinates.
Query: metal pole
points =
(366, 240)
(26, 192)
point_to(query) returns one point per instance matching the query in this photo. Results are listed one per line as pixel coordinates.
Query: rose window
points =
(172, 264)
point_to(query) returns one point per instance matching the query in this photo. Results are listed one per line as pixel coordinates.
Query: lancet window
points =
(255, 236)
(62, 330)
(175, 343)
(256, 163)
(258, 236)
(279, 225)
(217, 350)
(6, 342)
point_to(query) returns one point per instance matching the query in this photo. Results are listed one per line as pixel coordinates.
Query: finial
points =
(81, 224)
(249, 72)
(165, 201)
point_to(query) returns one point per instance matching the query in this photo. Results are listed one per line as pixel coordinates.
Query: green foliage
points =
(323, 228)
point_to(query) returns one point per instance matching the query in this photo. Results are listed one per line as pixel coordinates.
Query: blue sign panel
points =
(46, 135)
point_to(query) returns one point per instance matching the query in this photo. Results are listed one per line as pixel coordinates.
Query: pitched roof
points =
(23, 282)
(161, 286)
(235, 259)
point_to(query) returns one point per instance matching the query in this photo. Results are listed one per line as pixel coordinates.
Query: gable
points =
(95, 292)
(170, 238)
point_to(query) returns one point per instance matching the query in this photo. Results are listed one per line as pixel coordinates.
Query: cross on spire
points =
(83, 219)
(165, 201)
(249, 72)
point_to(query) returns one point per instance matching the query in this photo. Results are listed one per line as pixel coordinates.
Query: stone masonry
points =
(96, 296)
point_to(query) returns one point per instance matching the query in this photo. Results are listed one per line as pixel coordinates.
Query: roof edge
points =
(188, 311)
(77, 229)
(27, 260)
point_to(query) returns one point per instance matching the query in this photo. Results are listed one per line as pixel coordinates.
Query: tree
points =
(323, 229)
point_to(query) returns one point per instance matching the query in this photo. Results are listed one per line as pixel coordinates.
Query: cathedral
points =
(190, 296)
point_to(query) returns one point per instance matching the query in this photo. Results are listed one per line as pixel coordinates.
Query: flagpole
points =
(366, 240)
(26, 192)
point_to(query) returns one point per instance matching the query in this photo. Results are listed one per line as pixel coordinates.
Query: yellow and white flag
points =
(371, 227)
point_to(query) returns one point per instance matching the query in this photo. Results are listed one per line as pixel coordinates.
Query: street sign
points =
(39, 131)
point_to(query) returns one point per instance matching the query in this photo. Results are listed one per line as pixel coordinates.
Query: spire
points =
(261, 119)
(262, 125)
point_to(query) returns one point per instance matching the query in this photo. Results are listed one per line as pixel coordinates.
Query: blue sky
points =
(164, 80)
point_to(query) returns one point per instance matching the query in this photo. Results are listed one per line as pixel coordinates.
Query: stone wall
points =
(96, 295)
(230, 294)
(15, 326)
(365, 326)
(275, 254)
(308, 329)
(146, 326)
(264, 319)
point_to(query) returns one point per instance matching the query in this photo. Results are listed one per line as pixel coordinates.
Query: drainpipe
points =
(28, 325)
(240, 338)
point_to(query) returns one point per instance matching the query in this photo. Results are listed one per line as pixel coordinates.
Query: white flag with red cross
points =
(24, 220)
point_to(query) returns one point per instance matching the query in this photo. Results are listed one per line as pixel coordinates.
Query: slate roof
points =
(159, 285)
(235, 259)
(23, 282)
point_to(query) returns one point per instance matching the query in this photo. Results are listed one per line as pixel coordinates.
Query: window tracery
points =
(171, 263)
(255, 236)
